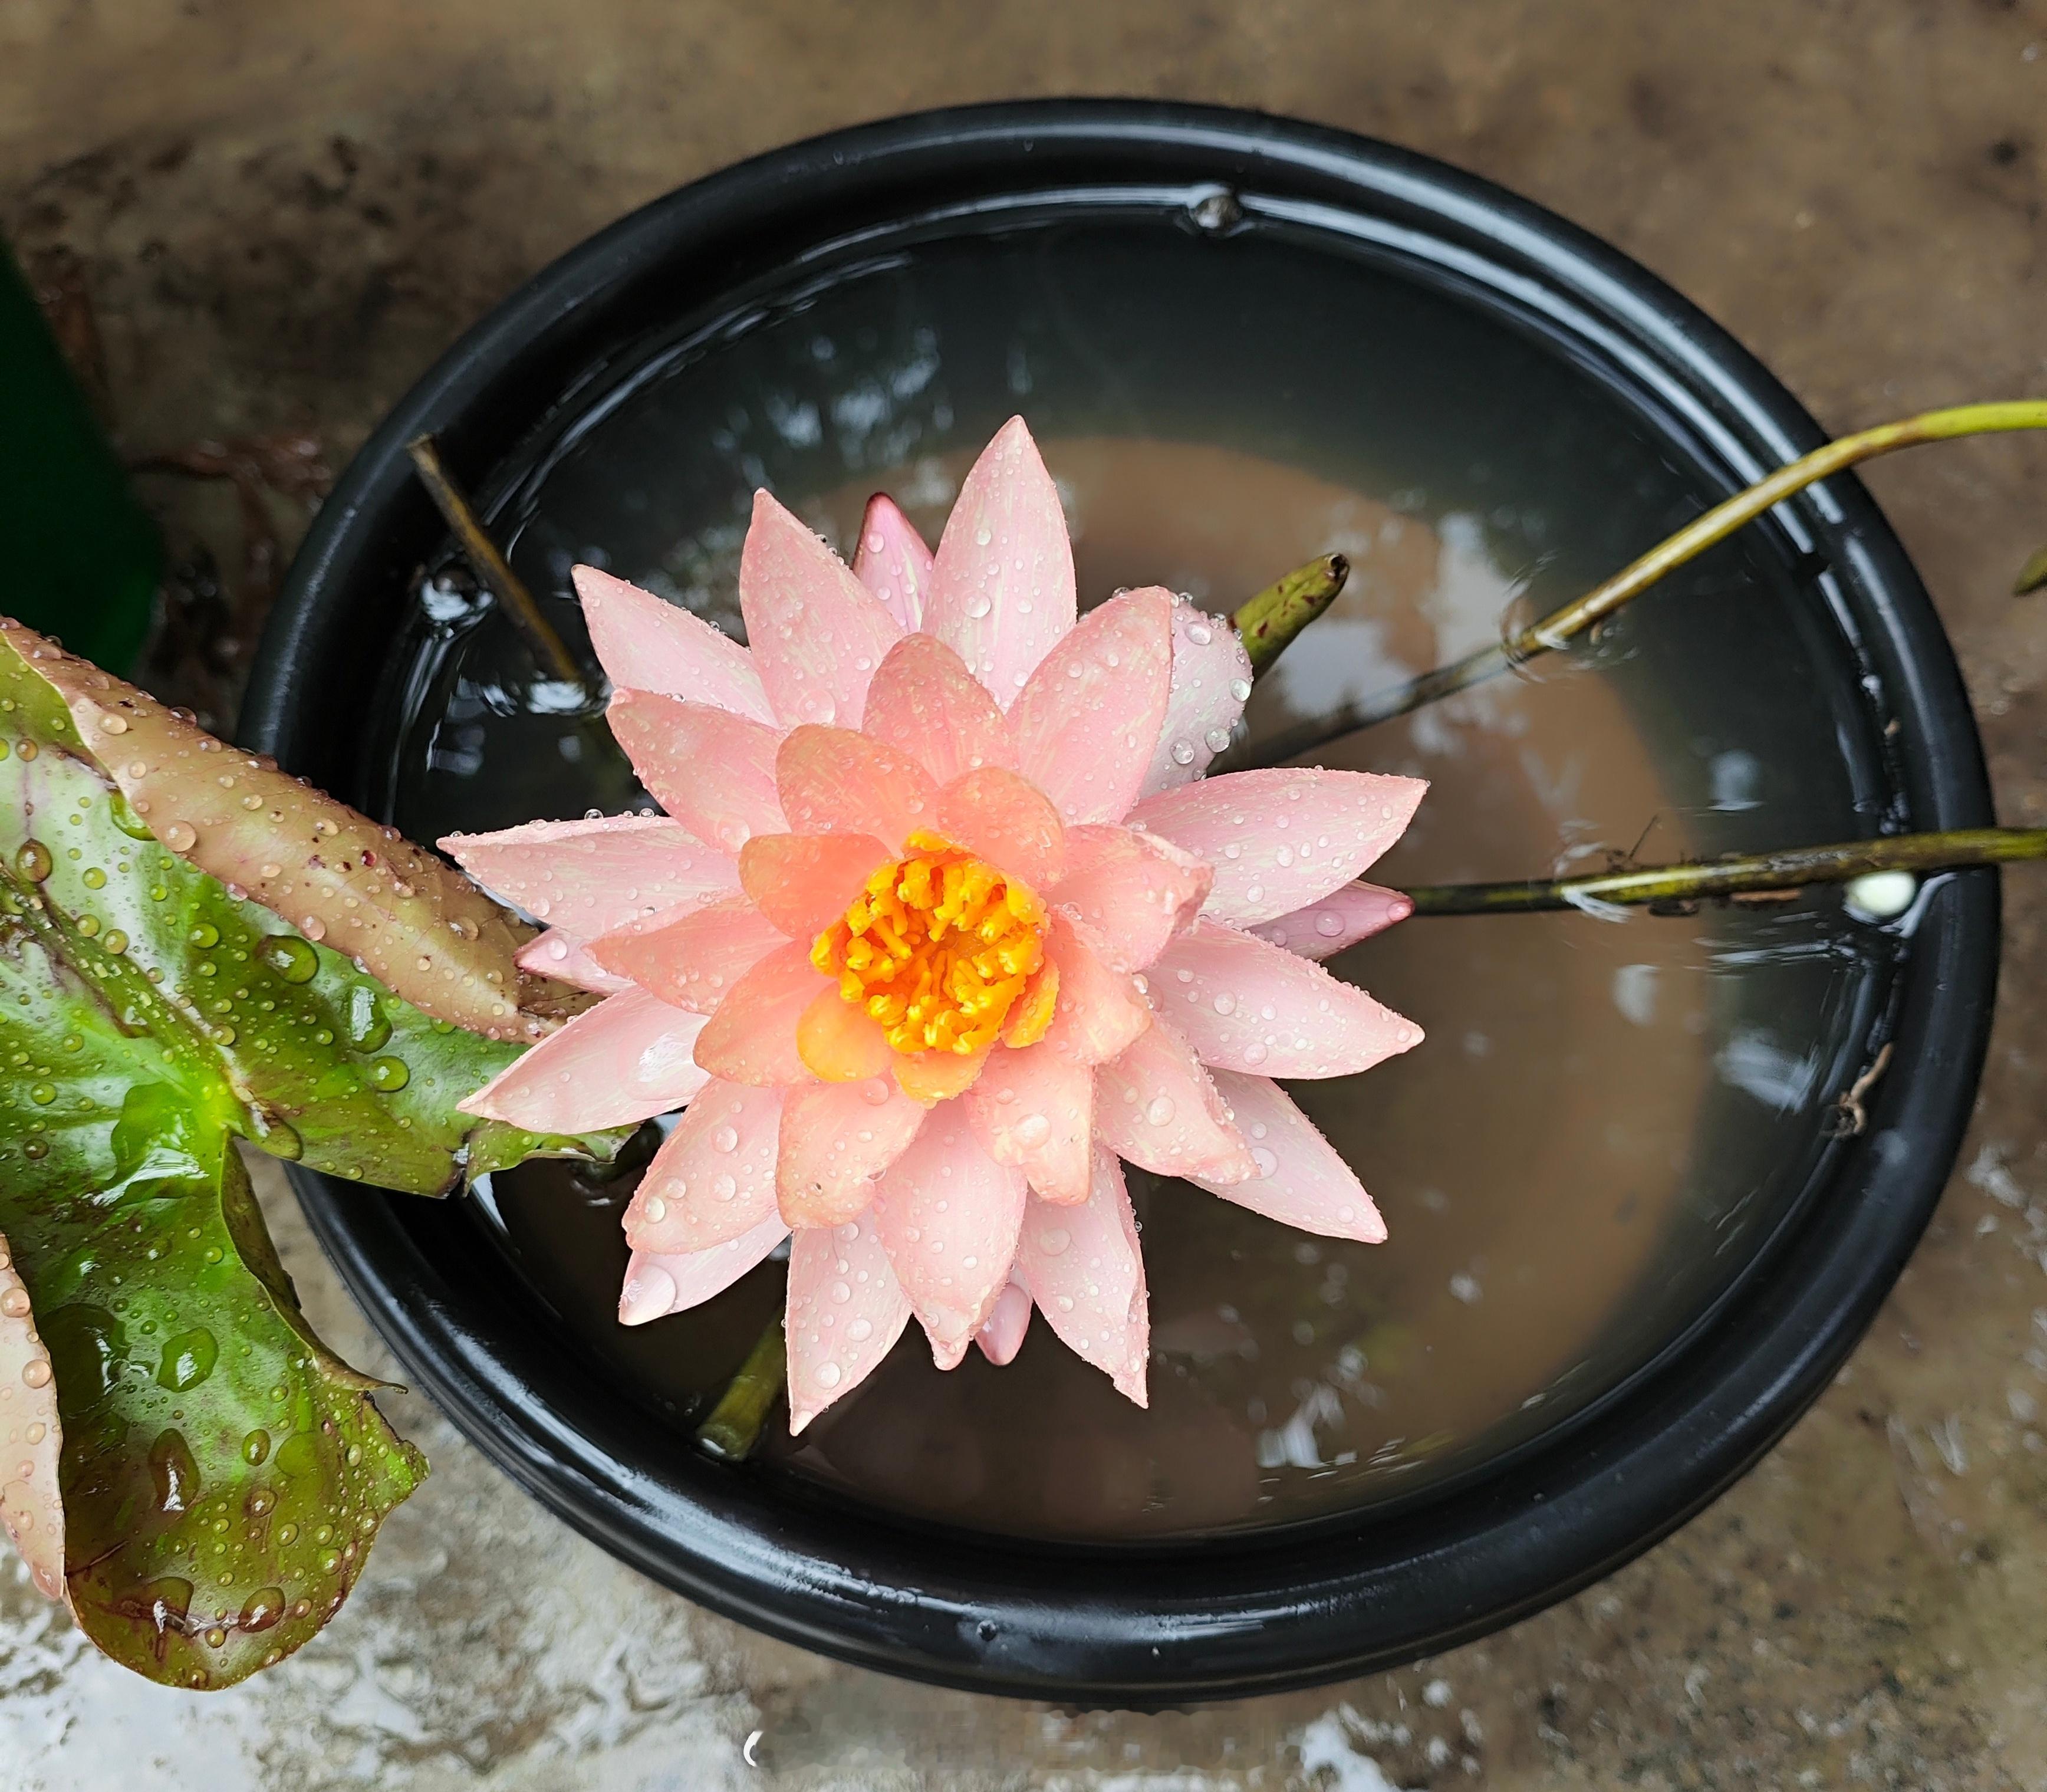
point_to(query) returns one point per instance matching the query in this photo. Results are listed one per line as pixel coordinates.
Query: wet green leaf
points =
(222, 1474)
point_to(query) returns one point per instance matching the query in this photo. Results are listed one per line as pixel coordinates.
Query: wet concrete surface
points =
(283, 213)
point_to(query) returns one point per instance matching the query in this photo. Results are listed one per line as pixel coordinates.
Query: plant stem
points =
(1790, 870)
(733, 1427)
(1270, 621)
(1574, 619)
(2032, 576)
(491, 565)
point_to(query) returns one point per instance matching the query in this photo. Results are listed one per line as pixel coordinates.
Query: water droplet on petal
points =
(1160, 1110)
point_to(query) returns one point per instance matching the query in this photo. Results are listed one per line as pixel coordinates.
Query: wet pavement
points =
(283, 213)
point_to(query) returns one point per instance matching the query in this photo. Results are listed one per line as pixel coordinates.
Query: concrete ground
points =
(283, 213)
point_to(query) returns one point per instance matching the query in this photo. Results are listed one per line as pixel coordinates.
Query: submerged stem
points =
(490, 564)
(1790, 870)
(733, 1427)
(1269, 622)
(1574, 619)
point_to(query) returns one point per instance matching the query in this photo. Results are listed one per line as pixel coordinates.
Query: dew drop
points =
(389, 1074)
(1183, 752)
(829, 1374)
(1159, 1110)
(1054, 1240)
(725, 1139)
(180, 836)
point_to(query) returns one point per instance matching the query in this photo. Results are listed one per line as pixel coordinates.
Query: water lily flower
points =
(940, 926)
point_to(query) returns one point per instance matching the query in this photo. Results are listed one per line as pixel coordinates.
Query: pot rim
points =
(1129, 1624)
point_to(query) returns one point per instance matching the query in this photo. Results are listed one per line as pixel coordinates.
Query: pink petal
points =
(1086, 1275)
(1299, 1178)
(817, 632)
(625, 1060)
(1244, 1004)
(1281, 839)
(694, 959)
(1035, 1109)
(646, 644)
(657, 1284)
(1087, 722)
(803, 882)
(31, 1437)
(846, 1311)
(1100, 1011)
(1002, 588)
(1157, 1106)
(752, 1038)
(833, 780)
(1135, 891)
(714, 1177)
(892, 562)
(713, 770)
(836, 1137)
(590, 877)
(1001, 1333)
(1005, 819)
(1342, 918)
(565, 959)
(924, 702)
(1211, 679)
(948, 1213)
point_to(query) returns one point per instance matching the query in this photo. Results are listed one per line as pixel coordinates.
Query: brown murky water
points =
(1528, 1158)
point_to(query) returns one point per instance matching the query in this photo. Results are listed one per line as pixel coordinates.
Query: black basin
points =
(1165, 1622)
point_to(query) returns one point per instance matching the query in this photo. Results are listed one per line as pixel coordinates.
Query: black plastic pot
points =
(1160, 1624)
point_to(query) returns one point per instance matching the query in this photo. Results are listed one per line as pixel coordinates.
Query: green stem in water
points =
(1791, 869)
(733, 1427)
(2032, 576)
(1574, 619)
(1269, 622)
(490, 564)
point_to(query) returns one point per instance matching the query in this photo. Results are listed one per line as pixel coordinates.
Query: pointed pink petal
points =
(846, 1311)
(1157, 1106)
(1281, 839)
(836, 1137)
(924, 702)
(752, 1038)
(1246, 1005)
(1002, 588)
(892, 562)
(803, 882)
(658, 1284)
(1100, 1011)
(1211, 680)
(625, 1060)
(590, 877)
(646, 644)
(713, 1177)
(694, 959)
(713, 770)
(1299, 1178)
(948, 1213)
(1086, 1275)
(1005, 819)
(1001, 1333)
(1342, 918)
(1087, 722)
(817, 632)
(1035, 1109)
(565, 959)
(30, 1436)
(1135, 891)
(834, 781)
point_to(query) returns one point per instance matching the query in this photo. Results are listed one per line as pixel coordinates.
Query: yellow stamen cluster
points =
(937, 947)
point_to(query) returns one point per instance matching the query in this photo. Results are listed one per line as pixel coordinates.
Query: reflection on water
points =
(1608, 1114)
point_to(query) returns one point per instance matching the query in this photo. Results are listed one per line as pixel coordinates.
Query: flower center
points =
(939, 947)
